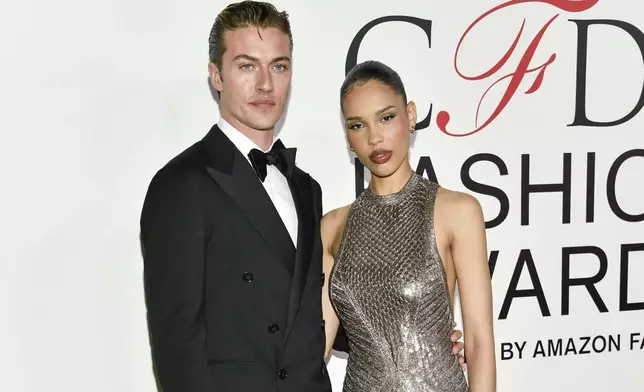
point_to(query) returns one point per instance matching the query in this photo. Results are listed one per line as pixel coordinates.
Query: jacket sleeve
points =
(173, 246)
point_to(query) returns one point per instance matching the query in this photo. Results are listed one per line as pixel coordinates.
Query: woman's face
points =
(378, 125)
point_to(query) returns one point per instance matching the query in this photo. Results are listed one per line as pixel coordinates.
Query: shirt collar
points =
(241, 141)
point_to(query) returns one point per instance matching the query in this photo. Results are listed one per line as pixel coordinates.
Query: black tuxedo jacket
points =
(232, 305)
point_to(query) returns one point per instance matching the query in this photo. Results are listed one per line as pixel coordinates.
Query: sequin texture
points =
(389, 289)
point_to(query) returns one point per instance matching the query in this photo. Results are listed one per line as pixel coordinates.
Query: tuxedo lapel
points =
(230, 169)
(301, 190)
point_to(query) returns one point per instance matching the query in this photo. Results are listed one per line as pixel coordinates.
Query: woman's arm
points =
(469, 252)
(330, 225)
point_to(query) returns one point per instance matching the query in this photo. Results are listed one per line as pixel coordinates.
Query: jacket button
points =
(323, 371)
(322, 279)
(323, 323)
(248, 277)
(282, 374)
(273, 328)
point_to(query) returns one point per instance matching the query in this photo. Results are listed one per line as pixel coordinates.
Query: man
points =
(230, 232)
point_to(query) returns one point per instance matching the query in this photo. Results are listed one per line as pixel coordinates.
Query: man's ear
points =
(215, 77)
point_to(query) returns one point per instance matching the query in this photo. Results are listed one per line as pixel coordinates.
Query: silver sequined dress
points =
(389, 289)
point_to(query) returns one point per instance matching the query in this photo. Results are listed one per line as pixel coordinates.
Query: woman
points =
(394, 256)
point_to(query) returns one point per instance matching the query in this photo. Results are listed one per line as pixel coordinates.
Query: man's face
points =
(254, 78)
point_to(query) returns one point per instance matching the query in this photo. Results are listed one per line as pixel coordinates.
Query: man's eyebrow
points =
(256, 60)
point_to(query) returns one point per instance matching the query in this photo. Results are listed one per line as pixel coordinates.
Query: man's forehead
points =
(248, 40)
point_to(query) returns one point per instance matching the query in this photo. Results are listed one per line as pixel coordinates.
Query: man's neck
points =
(263, 139)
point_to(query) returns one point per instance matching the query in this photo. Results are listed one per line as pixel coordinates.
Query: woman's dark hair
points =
(372, 70)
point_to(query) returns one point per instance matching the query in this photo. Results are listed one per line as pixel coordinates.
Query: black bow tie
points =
(279, 156)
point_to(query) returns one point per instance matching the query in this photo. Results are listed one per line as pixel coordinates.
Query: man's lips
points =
(263, 103)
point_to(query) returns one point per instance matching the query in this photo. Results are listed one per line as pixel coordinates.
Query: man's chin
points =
(264, 124)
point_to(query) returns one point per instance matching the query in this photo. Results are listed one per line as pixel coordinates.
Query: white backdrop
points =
(95, 96)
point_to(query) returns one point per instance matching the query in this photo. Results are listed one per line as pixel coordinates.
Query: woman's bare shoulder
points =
(332, 225)
(459, 206)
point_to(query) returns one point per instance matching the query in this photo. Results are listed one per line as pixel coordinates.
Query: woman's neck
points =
(392, 184)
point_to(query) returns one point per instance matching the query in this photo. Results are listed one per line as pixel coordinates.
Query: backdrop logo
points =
(525, 263)
(525, 67)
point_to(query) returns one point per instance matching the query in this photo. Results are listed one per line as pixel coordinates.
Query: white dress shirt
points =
(275, 182)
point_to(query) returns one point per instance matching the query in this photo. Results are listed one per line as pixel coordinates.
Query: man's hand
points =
(458, 347)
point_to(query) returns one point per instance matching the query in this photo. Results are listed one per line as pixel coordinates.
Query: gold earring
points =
(412, 129)
(351, 148)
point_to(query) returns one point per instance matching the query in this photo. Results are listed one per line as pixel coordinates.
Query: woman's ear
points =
(411, 115)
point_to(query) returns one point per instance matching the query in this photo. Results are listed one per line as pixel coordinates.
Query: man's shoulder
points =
(190, 158)
(182, 166)
(308, 177)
